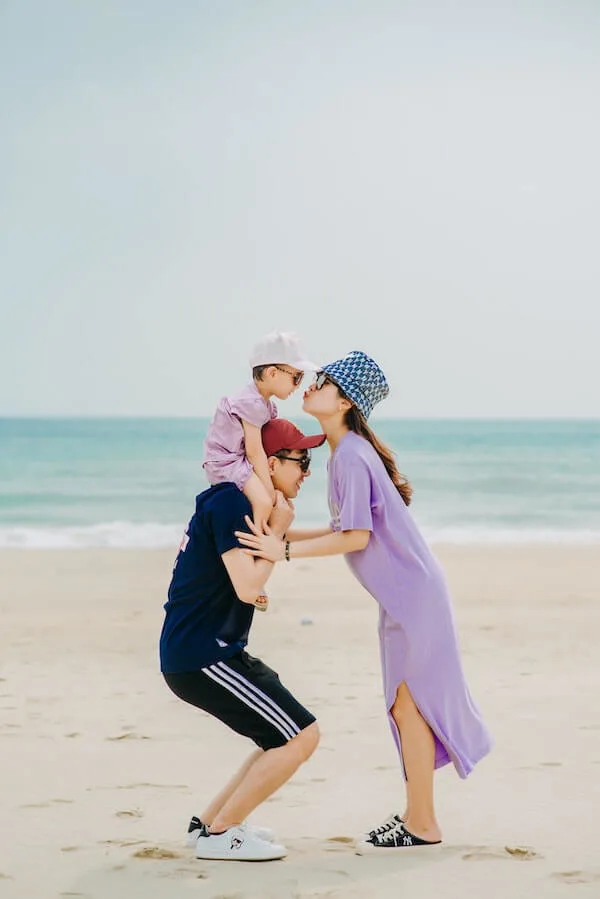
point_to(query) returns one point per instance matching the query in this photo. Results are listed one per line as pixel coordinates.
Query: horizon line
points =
(117, 416)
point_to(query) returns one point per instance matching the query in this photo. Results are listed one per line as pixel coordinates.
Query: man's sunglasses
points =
(296, 376)
(304, 462)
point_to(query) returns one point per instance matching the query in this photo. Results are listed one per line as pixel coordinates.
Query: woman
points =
(433, 718)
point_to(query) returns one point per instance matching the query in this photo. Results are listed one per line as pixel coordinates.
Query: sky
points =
(417, 180)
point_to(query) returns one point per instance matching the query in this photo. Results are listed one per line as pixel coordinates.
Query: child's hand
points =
(262, 602)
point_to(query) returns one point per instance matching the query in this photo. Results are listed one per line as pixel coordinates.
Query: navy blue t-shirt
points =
(205, 621)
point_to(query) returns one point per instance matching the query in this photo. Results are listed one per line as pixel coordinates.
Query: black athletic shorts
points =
(247, 696)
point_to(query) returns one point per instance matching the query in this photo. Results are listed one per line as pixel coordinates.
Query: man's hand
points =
(266, 546)
(282, 515)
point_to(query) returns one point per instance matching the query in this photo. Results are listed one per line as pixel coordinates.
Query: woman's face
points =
(325, 402)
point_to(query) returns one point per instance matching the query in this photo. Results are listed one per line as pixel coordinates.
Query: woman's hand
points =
(266, 546)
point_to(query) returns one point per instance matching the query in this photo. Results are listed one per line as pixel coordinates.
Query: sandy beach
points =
(102, 767)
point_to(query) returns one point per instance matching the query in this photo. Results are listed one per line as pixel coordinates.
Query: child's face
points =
(283, 380)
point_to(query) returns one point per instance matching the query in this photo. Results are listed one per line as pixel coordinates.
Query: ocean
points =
(68, 483)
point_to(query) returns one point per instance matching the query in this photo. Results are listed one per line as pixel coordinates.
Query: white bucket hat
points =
(281, 347)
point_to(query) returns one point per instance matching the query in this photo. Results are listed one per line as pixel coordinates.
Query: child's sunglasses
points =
(296, 376)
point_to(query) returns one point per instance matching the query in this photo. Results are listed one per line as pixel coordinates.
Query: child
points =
(233, 448)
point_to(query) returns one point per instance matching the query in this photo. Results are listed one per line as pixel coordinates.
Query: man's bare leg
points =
(268, 772)
(209, 814)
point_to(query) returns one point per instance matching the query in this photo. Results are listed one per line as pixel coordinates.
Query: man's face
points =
(286, 471)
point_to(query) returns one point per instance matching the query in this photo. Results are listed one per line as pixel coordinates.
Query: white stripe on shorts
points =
(245, 696)
(271, 702)
(263, 699)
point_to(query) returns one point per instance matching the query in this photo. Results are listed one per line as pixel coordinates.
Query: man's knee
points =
(306, 741)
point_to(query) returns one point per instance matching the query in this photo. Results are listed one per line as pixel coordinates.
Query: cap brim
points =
(309, 442)
(306, 365)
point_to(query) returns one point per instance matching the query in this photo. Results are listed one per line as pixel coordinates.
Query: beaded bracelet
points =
(287, 550)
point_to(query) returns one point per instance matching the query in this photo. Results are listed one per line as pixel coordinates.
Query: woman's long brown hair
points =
(356, 422)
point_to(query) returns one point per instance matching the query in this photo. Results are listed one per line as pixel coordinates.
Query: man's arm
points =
(248, 576)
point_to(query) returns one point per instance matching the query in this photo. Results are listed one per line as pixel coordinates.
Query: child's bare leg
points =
(262, 505)
(256, 492)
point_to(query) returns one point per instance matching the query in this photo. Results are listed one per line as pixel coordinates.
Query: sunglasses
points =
(296, 376)
(304, 462)
(322, 379)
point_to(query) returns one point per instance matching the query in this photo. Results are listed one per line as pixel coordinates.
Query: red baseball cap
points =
(279, 434)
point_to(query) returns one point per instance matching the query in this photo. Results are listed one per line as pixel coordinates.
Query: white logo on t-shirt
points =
(184, 541)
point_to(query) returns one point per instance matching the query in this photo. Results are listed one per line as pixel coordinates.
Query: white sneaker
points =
(263, 833)
(237, 844)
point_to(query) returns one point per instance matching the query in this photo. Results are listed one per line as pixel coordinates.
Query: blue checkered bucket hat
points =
(360, 378)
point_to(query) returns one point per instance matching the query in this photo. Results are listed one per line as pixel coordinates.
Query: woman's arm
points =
(332, 543)
(307, 533)
(272, 548)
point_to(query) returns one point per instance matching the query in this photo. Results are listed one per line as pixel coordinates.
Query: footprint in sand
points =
(577, 876)
(488, 853)
(130, 813)
(142, 785)
(128, 735)
(156, 852)
(123, 843)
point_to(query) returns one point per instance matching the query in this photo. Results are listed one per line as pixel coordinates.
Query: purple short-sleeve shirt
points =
(224, 448)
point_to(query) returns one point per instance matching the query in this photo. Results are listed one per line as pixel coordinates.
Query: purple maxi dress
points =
(417, 633)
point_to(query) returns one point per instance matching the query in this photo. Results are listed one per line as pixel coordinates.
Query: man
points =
(213, 592)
